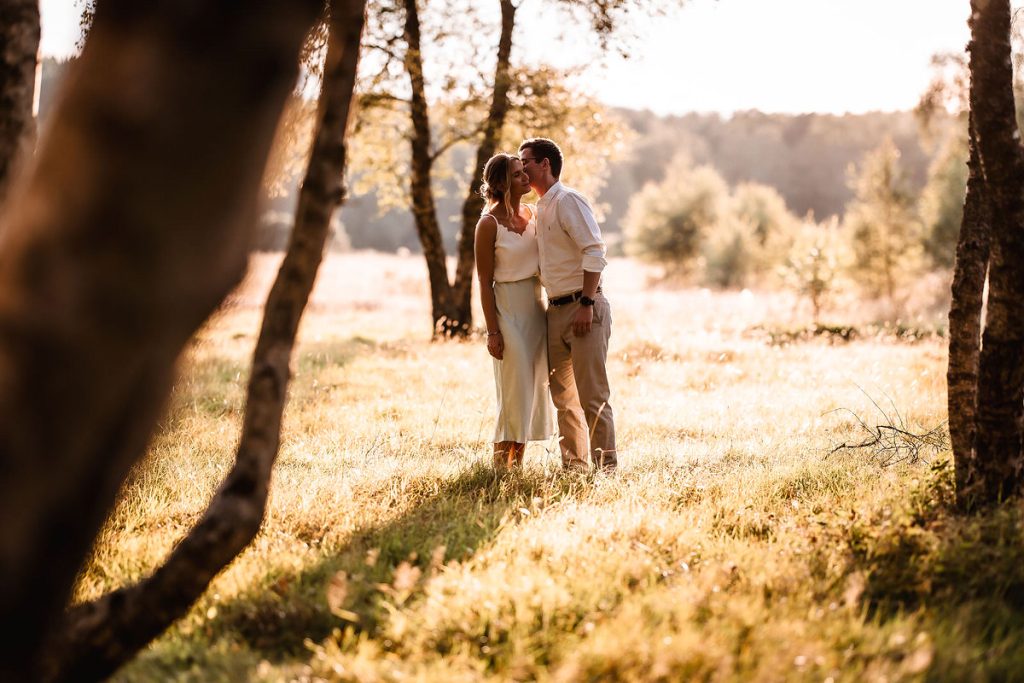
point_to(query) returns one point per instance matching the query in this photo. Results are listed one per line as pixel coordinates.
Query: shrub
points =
(882, 224)
(667, 221)
(814, 262)
(755, 237)
(730, 252)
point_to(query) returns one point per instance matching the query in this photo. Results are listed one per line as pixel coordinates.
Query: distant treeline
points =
(805, 157)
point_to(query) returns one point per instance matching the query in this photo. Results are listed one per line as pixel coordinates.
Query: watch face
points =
(586, 301)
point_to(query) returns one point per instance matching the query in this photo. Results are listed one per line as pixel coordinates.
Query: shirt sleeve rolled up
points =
(577, 219)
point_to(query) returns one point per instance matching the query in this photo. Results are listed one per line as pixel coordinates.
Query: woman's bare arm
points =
(483, 245)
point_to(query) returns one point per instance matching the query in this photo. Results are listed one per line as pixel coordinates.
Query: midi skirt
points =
(521, 376)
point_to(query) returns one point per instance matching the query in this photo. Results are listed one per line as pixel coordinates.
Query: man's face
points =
(531, 165)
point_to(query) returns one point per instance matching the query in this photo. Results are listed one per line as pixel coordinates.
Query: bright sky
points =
(728, 55)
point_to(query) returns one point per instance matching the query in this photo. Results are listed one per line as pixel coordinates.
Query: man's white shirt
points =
(569, 240)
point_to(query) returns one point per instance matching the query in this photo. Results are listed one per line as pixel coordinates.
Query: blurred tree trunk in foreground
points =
(19, 47)
(100, 636)
(131, 226)
(986, 416)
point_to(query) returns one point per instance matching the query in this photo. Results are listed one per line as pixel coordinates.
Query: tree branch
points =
(454, 139)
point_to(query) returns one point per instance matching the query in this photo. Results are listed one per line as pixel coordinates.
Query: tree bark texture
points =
(19, 48)
(997, 466)
(421, 192)
(132, 225)
(971, 269)
(474, 203)
(102, 635)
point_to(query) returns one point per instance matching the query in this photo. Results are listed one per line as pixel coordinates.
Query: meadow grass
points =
(730, 545)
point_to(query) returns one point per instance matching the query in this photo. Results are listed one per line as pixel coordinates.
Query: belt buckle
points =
(566, 299)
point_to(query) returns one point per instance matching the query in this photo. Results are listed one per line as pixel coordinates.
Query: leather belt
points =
(568, 298)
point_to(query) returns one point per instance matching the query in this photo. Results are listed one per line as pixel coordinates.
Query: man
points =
(572, 257)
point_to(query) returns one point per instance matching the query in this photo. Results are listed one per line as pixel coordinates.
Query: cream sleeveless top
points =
(516, 256)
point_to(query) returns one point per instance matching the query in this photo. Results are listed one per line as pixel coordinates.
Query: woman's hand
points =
(495, 345)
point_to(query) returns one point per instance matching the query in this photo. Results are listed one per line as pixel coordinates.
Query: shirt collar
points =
(552, 191)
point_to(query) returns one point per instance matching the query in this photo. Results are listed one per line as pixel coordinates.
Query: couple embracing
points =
(563, 347)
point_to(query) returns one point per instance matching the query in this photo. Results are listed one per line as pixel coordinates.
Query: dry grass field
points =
(731, 545)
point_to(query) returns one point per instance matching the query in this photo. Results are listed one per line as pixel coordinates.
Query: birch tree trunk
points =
(132, 225)
(996, 468)
(421, 192)
(970, 271)
(474, 203)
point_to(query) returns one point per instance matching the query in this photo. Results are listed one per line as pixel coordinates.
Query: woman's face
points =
(520, 181)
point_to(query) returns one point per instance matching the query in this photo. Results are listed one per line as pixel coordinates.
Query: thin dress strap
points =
(533, 216)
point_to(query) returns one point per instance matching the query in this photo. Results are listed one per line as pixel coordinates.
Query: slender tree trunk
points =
(19, 38)
(424, 208)
(474, 203)
(998, 462)
(969, 274)
(102, 635)
(132, 225)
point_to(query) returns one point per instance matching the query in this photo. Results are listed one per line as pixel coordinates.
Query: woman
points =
(510, 295)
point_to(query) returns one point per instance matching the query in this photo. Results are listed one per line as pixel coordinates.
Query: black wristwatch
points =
(586, 301)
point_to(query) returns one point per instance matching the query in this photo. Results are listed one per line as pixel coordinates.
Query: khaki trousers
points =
(579, 386)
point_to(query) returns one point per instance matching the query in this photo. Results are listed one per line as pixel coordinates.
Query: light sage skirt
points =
(521, 377)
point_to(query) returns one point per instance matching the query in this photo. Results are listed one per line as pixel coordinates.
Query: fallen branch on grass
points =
(893, 441)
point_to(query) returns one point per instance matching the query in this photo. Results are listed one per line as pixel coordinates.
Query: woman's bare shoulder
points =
(487, 224)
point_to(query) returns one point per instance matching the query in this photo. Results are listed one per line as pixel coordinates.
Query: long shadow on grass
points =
(964, 573)
(446, 520)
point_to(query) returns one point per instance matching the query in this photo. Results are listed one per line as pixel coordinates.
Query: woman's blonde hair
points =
(498, 174)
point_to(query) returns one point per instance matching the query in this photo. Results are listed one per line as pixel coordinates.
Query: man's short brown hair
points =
(543, 148)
